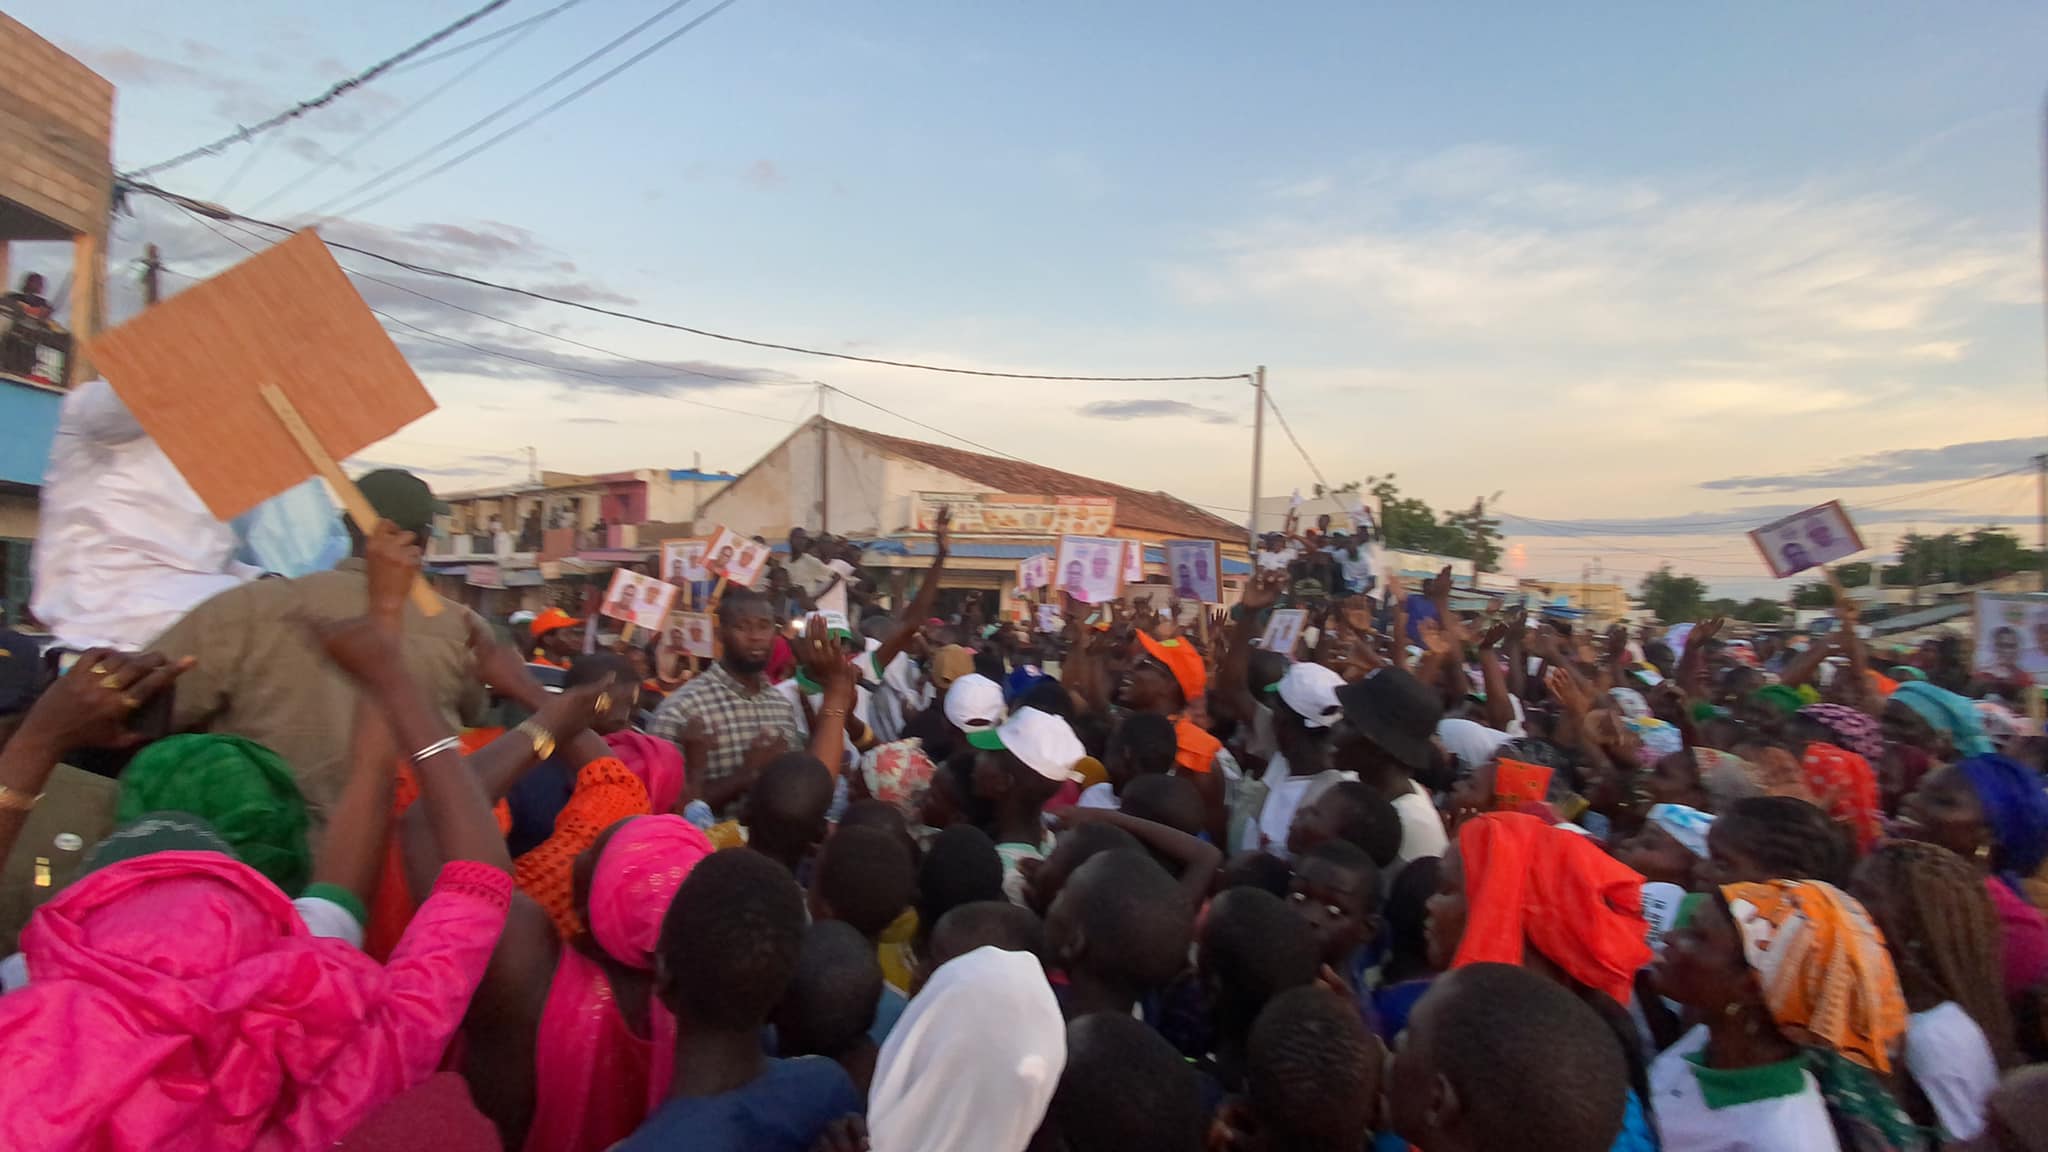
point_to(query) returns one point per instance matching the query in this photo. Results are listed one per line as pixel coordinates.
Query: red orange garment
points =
(1531, 885)
(1844, 785)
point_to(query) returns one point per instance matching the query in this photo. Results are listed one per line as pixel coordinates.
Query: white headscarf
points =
(1469, 741)
(974, 1060)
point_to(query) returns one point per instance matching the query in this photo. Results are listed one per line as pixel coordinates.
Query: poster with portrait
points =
(1192, 566)
(1090, 568)
(689, 633)
(1820, 535)
(1049, 618)
(736, 559)
(2012, 636)
(682, 561)
(1283, 631)
(641, 601)
(1034, 572)
(1134, 562)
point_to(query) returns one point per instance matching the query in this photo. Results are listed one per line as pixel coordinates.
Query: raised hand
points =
(361, 646)
(89, 706)
(817, 653)
(1264, 591)
(1568, 690)
(942, 531)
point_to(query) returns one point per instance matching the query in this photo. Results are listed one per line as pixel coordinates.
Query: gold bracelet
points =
(825, 712)
(543, 740)
(15, 800)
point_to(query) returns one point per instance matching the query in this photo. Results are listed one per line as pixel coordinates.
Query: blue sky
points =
(1636, 267)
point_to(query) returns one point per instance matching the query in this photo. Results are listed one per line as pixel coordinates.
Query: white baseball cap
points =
(1311, 690)
(1044, 742)
(975, 706)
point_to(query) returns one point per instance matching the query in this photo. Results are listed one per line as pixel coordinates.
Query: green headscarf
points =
(1782, 699)
(154, 832)
(242, 789)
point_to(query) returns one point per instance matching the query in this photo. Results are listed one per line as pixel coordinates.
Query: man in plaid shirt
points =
(731, 707)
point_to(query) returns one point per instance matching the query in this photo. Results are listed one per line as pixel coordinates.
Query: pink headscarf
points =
(595, 1081)
(179, 1002)
(657, 762)
(643, 864)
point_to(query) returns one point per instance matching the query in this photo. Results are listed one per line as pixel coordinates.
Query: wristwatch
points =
(543, 740)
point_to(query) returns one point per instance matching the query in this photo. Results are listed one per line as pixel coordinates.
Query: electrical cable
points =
(523, 125)
(325, 98)
(427, 153)
(524, 29)
(478, 42)
(216, 212)
(1292, 439)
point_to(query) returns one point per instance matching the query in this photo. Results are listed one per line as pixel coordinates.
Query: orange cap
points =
(1182, 660)
(550, 620)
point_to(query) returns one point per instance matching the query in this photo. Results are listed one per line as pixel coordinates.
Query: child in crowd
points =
(729, 947)
(960, 867)
(1313, 1080)
(1119, 930)
(1252, 948)
(1500, 1059)
(1022, 765)
(1142, 745)
(1353, 812)
(830, 1009)
(865, 879)
(1406, 974)
(1124, 1089)
(1336, 891)
(786, 809)
(985, 924)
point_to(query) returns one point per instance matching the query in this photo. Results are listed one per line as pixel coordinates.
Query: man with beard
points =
(731, 705)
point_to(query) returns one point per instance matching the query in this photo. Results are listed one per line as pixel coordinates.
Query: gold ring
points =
(130, 703)
(604, 702)
(99, 669)
(111, 682)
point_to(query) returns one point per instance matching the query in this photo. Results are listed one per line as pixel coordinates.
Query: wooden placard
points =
(193, 368)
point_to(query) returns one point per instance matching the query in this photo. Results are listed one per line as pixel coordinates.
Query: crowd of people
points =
(914, 881)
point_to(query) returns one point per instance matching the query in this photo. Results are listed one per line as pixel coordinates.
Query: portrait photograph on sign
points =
(1090, 568)
(1134, 561)
(641, 601)
(2012, 636)
(736, 559)
(690, 633)
(1820, 535)
(1283, 631)
(1034, 572)
(1192, 565)
(682, 561)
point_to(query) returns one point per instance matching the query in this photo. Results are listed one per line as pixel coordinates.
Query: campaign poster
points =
(1091, 567)
(1820, 535)
(1193, 568)
(690, 632)
(1049, 619)
(737, 559)
(1283, 631)
(641, 601)
(1034, 572)
(1134, 561)
(2012, 636)
(682, 561)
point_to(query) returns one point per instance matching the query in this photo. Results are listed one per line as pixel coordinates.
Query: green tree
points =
(1761, 611)
(1984, 554)
(1407, 523)
(1813, 596)
(1673, 598)
(1478, 537)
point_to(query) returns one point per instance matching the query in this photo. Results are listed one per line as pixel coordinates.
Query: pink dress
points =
(180, 1003)
(2024, 935)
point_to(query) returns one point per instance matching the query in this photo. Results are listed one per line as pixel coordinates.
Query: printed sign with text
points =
(641, 601)
(682, 561)
(1283, 631)
(1192, 566)
(1090, 568)
(736, 559)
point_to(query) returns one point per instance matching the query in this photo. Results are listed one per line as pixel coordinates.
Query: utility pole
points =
(1258, 457)
(532, 465)
(824, 463)
(2041, 502)
(152, 267)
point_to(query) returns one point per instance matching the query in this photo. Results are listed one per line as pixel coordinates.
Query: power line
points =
(524, 28)
(332, 93)
(218, 213)
(925, 426)
(478, 42)
(1292, 439)
(564, 102)
(493, 116)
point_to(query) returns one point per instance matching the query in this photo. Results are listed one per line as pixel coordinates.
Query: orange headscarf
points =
(1531, 885)
(1824, 969)
(1844, 786)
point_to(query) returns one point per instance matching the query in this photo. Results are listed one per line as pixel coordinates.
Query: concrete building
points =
(882, 490)
(56, 185)
(1600, 604)
(498, 548)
